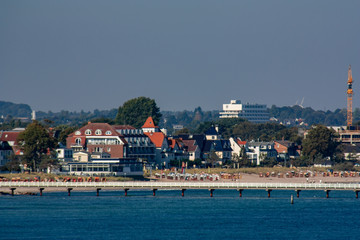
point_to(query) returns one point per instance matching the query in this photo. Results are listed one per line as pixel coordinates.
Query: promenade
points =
(178, 185)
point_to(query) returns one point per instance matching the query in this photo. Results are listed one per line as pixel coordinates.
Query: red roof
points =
(105, 130)
(149, 123)
(190, 144)
(9, 136)
(156, 138)
(240, 142)
(174, 142)
(119, 127)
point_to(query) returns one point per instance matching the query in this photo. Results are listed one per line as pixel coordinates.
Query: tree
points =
(213, 158)
(320, 143)
(64, 132)
(35, 142)
(135, 112)
(14, 164)
(48, 162)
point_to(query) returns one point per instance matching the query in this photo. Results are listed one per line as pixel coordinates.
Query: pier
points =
(181, 186)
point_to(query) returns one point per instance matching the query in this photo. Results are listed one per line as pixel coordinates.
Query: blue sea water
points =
(83, 215)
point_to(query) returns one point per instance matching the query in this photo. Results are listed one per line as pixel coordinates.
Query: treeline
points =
(311, 116)
(188, 119)
(9, 110)
(76, 118)
(248, 131)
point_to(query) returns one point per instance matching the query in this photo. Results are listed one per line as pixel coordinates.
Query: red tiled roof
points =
(9, 136)
(119, 127)
(174, 142)
(103, 127)
(240, 142)
(190, 144)
(149, 123)
(156, 138)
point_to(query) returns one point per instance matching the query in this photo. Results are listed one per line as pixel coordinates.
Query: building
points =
(11, 138)
(259, 151)
(222, 149)
(352, 152)
(64, 154)
(347, 136)
(98, 137)
(107, 167)
(120, 141)
(138, 145)
(5, 153)
(237, 146)
(192, 149)
(204, 145)
(286, 149)
(256, 113)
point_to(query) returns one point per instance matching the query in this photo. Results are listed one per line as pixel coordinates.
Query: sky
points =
(84, 54)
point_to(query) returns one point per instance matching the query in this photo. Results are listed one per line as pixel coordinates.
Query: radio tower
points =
(349, 98)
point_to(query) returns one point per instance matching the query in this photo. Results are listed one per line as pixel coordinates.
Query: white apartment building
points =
(256, 113)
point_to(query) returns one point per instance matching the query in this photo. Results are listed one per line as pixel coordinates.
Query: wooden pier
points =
(182, 186)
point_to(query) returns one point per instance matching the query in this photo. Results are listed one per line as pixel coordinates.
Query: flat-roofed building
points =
(256, 113)
(107, 167)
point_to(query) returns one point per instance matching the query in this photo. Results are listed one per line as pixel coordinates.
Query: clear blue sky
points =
(86, 55)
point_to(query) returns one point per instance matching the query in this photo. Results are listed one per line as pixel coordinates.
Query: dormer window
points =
(108, 132)
(98, 132)
(88, 132)
(77, 133)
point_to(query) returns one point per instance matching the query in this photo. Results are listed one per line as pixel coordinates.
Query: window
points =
(78, 141)
(77, 133)
(88, 132)
(98, 132)
(108, 132)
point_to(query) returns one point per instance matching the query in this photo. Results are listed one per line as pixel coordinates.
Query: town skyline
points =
(86, 55)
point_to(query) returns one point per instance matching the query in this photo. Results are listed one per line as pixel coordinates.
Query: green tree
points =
(35, 142)
(320, 143)
(14, 164)
(48, 162)
(213, 158)
(64, 133)
(135, 112)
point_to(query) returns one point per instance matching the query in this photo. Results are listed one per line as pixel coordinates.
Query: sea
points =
(168, 215)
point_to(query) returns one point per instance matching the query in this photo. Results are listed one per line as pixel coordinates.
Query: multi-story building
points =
(120, 141)
(345, 135)
(139, 145)
(259, 151)
(256, 113)
(286, 150)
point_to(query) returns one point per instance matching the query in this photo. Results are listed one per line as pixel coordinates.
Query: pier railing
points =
(185, 185)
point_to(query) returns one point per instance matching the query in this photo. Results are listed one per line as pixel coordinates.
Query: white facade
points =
(252, 112)
(64, 154)
(236, 147)
(258, 151)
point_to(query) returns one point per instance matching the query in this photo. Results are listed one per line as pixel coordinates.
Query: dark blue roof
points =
(217, 145)
(211, 131)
